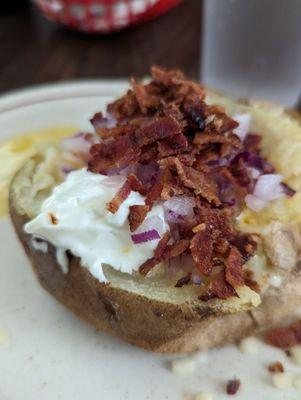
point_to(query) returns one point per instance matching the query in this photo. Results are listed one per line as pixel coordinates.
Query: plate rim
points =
(35, 94)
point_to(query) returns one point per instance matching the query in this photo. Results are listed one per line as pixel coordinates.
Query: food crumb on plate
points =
(183, 366)
(233, 386)
(283, 380)
(249, 345)
(276, 366)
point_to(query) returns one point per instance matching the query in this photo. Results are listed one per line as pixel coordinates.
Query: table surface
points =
(34, 50)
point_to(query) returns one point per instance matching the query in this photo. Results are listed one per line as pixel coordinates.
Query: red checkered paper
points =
(103, 16)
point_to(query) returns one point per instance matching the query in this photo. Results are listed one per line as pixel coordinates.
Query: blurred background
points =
(246, 48)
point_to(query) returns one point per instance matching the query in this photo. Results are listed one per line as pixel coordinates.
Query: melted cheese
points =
(16, 151)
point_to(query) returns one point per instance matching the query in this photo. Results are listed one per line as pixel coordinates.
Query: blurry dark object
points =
(12, 6)
(103, 16)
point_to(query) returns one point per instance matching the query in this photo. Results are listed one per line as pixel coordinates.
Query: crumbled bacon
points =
(148, 265)
(277, 366)
(201, 250)
(234, 264)
(183, 281)
(137, 215)
(119, 197)
(53, 219)
(172, 143)
(285, 337)
(162, 246)
(250, 281)
(233, 386)
(176, 249)
(218, 287)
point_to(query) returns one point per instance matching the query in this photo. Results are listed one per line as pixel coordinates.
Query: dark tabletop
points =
(34, 50)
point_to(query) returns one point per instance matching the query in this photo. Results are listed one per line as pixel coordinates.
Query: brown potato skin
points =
(155, 325)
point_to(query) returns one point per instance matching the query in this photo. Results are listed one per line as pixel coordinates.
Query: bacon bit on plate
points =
(172, 146)
(277, 366)
(119, 198)
(184, 281)
(233, 386)
(53, 219)
(286, 337)
(137, 215)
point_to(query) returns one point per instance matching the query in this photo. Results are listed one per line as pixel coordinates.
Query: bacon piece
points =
(148, 265)
(201, 140)
(249, 281)
(113, 153)
(233, 386)
(252, 141)
(160, 128)
(121, 130)
(119, 198)
(218, 287)
(53, 218)
(173, 145)
(137, 215)
(290, 192)
(245, 244)
(183, 281)
(277, 366)
(285, 337)
(158, 255)
(145, 99)
(201, 250)
(124, 107)
(175, 250)
(202, 183)
(136, 185)
(162, 246)
(167, 77)
(234, 266)
(154, 194)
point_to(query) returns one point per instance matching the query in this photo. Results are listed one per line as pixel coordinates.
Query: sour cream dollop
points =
(75, 218)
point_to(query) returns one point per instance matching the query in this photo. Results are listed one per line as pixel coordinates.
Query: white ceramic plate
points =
(48, 353)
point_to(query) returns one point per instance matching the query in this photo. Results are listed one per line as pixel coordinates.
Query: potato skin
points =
(155, 325)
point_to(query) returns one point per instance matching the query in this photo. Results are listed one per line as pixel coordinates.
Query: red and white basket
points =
(103, 16)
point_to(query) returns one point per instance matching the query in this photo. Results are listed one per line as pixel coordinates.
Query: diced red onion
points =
(243, 128)
(196, 279)
(147, 236)
(78, 144)
(226, 190)
(66, 169)
(173, 217)
(255, 203)
(152, 223)
(180, 206)
(254, 172)
(288, 190)
(268, 187)
(253, 160)
(99, 121)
